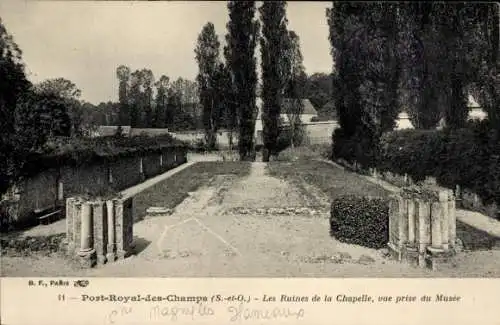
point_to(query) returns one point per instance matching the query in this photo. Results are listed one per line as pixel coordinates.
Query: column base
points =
(101, 259)
(411, 255)
(87, 259)
(437, 258)
(121, 254)
(395, 252)
(111, 257)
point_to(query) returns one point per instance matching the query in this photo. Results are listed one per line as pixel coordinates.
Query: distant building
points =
(127, 131)
(308, 113)
(110, 130)
(476, 112)
(403, 122)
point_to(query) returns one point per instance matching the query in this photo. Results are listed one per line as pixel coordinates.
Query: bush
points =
(360, 220)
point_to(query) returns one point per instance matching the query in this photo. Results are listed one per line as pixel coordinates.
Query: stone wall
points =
(320, 132)
(51, 187)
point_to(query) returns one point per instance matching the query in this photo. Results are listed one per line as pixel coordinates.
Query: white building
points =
(307, 115)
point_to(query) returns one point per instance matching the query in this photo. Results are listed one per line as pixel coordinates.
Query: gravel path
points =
(204, 237)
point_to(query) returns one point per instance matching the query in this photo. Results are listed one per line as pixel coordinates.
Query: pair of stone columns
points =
(422, 223)
(98, 231)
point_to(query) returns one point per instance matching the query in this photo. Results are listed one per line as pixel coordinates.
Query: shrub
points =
(360, 220)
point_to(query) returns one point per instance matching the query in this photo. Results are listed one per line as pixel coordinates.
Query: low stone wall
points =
(50, 188)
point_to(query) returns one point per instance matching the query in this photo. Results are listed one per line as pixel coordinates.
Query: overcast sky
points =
(85, 41)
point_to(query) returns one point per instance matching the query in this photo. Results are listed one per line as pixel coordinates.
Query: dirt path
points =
(240, 227)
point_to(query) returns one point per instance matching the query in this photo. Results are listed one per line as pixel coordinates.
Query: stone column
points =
(100, 231)
(70, 219)
(86, 252)
(436, 239)
(111, 248)
(395, 212)
(423, 235)
(452, 220)
(411, 221)
(124, 223)
(443, 202)
(403, 222)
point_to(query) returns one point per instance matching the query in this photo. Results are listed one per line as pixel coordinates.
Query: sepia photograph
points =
(266, 139)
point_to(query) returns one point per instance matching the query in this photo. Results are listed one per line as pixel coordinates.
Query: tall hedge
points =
(468, 157)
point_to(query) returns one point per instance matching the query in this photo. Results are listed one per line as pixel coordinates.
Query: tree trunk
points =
(265, 155)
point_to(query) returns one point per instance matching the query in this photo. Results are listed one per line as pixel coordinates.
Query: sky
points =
(85, 41)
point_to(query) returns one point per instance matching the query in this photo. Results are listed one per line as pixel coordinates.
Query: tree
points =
(241, 39)
(319, 90)
(273, 44)
(13, 88)
(135, 100)
(64, 95)
(295, 88)
(161, 101)
(123, 75)
(364, 39)
(147, 86)
(207, 56)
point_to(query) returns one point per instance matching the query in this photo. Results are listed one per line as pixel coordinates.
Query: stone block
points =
(158, 211)
(123, 225)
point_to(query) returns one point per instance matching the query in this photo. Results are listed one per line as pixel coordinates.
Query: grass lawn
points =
(331, 180)
(173, 190)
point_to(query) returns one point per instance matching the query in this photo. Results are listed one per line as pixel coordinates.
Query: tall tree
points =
(241, 39)
(295, 87)
(135, 101)
(273, 44)
(207, 56)
(364, 39)
(123, 74)
(161, 101)
(147, 86)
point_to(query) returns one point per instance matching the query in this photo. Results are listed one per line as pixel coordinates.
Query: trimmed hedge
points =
(360, 220)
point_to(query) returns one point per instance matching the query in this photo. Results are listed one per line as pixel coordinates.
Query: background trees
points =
(241, 39)
(273, 43)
